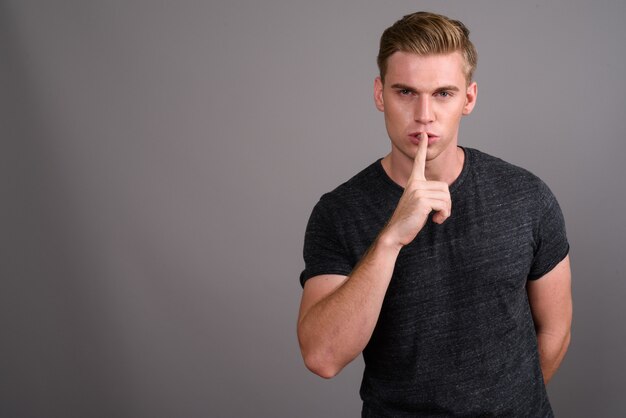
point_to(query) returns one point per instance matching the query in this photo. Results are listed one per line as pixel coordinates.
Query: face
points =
(424, 94)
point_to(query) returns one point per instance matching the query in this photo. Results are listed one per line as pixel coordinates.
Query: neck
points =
(446, 167)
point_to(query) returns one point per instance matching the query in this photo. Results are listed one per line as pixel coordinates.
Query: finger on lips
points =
(419, 164)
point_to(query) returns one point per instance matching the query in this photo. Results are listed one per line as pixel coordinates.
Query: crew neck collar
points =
(453, 187)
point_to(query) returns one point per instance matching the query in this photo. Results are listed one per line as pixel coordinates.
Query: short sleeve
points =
(323, 251)
(551, 239)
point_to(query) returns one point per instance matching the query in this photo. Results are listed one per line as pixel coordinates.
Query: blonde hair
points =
(425, 33)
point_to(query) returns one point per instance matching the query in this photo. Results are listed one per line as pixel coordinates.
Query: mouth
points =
(415, 137)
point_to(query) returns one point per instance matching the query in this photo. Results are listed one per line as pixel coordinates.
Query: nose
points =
(423, 110)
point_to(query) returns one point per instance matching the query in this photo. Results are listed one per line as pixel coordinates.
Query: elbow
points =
(319, 360)
(566, 341)
(320, 366)
(554, 343)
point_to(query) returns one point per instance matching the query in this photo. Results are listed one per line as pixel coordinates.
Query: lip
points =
(415, 137)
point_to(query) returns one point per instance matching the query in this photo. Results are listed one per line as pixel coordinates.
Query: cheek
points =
(396, 122)
(453, 112)
(398, 112)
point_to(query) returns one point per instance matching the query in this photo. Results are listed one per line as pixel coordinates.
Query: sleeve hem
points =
(553, 264)
(307, 274)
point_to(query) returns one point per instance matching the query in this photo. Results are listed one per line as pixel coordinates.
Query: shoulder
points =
(359, 188)
(500, 176)
(358, 205)
(492, 166)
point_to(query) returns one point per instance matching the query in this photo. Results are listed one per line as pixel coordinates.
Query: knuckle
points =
(417, 194)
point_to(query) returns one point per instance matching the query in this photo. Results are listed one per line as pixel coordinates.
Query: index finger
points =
(419, 164)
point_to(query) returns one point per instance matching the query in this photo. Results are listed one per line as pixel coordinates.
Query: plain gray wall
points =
(159, 161)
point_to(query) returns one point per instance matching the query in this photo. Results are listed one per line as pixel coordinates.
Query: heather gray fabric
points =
(455, 336)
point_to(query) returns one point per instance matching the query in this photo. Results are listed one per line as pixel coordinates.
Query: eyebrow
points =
(400, 86)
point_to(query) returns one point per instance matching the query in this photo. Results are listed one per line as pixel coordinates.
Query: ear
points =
(470, 98)
(378, 94)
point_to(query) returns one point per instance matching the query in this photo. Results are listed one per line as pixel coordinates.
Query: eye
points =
(444, 93)
(404, 92)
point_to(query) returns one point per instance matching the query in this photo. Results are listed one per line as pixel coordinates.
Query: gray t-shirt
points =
(455, 335)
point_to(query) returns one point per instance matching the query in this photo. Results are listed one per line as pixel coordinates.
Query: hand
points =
(420, 197)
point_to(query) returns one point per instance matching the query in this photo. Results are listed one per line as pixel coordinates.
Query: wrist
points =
(387, 240)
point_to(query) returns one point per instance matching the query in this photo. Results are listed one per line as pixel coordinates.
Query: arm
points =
(550, 299)
(338, 313)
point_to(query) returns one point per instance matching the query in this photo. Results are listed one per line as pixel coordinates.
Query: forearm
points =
(338, 326)
(336, 329)
(552, 349)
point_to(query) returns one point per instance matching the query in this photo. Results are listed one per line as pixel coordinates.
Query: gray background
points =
(159, 161)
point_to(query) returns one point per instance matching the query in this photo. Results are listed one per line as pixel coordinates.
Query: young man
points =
(446, 267)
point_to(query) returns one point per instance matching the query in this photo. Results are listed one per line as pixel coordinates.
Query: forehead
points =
(425, 70)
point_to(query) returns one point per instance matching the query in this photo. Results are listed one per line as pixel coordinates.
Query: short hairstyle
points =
(425, 33)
